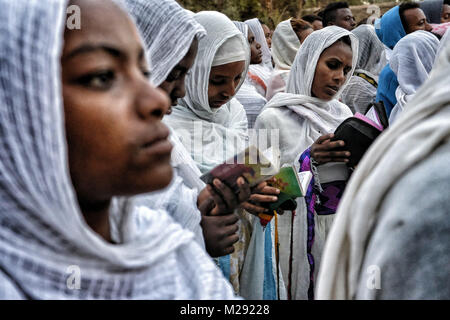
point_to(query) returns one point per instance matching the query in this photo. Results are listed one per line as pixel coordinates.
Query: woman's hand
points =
(261, 194)
(323, 150)
(220, 234)
(225, 199)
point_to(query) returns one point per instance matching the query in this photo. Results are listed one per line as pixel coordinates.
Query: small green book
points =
(292, 185)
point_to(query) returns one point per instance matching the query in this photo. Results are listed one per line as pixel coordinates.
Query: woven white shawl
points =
(43, 236)
(412, 59)
(210, 134)
(423, 127)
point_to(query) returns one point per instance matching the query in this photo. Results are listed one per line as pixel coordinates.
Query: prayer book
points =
(255, 166)
(358, 132)
(292, 185)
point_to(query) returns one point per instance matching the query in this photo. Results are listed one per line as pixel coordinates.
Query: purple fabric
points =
(329, 200)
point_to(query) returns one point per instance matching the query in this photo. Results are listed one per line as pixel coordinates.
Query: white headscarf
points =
(221, 125)
(423, 127)
(44, 237)
(412, 59)
(372, 58)
(285, 45)
(167, 30)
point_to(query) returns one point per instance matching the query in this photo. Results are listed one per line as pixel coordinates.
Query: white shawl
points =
(167, 31)
(423, 127)
(210, 134)
(285, 45)
(412, 59)
(44, 238)
(301, 119)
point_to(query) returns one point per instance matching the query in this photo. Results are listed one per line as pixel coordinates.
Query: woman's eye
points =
(146, 73)
(174, 75)
(332, 65)
(101, 80)
(217, 82)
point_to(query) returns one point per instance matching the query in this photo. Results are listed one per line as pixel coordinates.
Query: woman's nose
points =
(151, 102)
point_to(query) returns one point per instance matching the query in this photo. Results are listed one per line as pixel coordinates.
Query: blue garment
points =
(389, 28)
(387, 84)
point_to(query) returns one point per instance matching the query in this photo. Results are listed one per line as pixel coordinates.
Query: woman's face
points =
(332, 70)
(116, 141)
(174, 85)
(255, 47)
(223, 81)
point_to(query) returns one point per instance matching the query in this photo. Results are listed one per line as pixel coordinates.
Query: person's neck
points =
(96, 216)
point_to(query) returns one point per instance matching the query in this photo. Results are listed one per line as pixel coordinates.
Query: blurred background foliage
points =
(273, 12)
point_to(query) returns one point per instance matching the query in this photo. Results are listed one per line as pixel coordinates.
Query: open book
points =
(255, 166)
(292, 185)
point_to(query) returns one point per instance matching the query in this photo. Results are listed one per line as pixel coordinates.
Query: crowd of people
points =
(106, 130)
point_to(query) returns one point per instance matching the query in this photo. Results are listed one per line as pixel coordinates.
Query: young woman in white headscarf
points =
(305, 116)
(252, 101)
(287, 39)
(260, 74)
(391, 236)
(171, 37)
(81, 124)
(412, 59)
(212, 124)
(362, 86)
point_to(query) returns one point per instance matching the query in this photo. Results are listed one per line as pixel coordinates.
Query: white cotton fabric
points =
(359, 93)
(42, 231)
(285, 45)
(247, 95)
(423, 127)
(300, 120)
(412, 59)
(231, 51)
(209, 135)
(166, 45)
(264, 70)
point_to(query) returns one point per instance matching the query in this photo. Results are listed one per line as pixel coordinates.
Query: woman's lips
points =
(332, 90)
(158, 145)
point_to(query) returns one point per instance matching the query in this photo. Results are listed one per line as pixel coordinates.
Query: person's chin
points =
(218, 104)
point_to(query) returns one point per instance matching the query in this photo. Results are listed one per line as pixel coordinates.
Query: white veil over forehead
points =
(285, 45)
(42, 231)
(165, 43)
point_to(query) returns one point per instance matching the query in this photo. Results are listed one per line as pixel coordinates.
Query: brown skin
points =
(174, 85)
(416, 20)
(317, 25)
(223, 81)
(445, 13)
(331, 72)
(255, 48)
(344, 19)
(303, 34)
(267, 34)
(117, 144)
